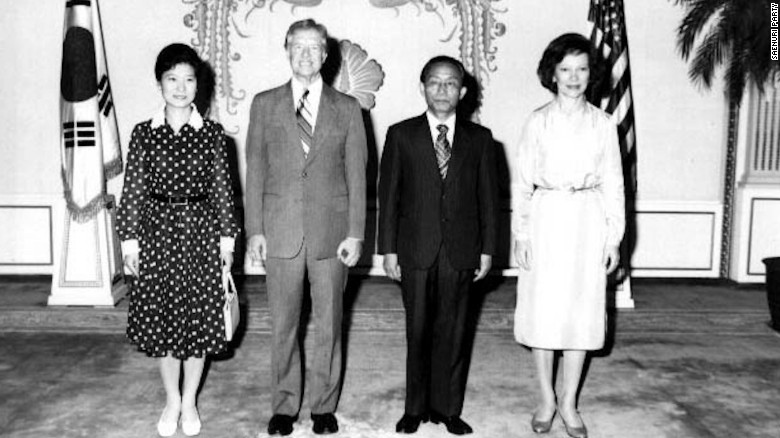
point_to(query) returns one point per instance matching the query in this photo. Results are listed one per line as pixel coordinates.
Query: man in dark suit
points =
(437, 221)
(306, 204)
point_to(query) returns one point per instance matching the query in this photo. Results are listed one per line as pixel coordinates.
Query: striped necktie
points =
(304, 123)
(443, 150)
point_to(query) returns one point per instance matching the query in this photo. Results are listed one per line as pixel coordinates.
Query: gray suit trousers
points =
(285, 282)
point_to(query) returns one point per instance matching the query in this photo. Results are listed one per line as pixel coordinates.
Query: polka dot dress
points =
(176, 302)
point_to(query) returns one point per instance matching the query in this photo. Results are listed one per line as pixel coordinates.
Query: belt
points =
(178, 200)
(569, 189)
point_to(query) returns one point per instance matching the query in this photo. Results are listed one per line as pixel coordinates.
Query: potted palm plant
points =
(733, 35)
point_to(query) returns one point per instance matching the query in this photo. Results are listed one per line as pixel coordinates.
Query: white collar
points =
(315, 89)
(433, 122)
(196, 120)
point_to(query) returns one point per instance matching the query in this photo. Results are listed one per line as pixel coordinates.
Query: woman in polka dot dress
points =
(177, 226)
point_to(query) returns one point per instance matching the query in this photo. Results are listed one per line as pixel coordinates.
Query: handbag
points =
(230, 310)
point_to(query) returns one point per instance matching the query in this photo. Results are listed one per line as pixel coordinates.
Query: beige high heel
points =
(575, 432)
(542, 426)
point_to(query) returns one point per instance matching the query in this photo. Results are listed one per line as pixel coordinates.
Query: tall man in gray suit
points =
(306, 204)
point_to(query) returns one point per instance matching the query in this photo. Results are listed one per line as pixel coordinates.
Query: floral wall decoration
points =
(477, 25)
(213, 22)
(216, 21)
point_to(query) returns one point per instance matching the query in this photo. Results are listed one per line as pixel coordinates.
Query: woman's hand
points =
(523, 253)
(227, 260)
(131, 263)
(611, 258)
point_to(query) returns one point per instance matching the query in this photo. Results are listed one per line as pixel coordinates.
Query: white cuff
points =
(226, 244)
(130, 246)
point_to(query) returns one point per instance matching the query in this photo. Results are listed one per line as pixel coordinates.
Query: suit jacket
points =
(418, 210)
(322, 197)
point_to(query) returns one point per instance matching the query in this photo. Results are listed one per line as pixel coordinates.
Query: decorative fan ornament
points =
(358, 75)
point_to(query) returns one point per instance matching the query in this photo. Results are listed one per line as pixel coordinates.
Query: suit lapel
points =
(326, 119)
(427, 153)
(460, 150)
(289, 119)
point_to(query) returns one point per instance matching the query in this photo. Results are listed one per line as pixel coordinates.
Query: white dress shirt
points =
(313, 98)
(433, 124)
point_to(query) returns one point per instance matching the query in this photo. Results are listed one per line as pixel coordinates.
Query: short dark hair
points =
(568, 44)
(442, 59)
(174, 54)
(307, 24)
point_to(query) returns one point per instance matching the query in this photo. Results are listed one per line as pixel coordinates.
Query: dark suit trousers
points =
(285, 281)
(436, 303)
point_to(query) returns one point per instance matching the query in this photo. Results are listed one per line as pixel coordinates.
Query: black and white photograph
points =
(386, 218)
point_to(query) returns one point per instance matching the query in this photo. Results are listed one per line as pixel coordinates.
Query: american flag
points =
(609, 36)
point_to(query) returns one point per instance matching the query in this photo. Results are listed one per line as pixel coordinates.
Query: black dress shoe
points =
(324, 424)
(454, 424)
(409, 423)
(281, 424)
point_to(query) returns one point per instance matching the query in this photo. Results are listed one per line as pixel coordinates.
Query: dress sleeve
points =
(612, 186)
(523, 180)
(221, 193)
(133, 193)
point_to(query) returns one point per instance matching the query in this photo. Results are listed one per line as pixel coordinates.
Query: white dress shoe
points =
(191, 427)
(166, 428)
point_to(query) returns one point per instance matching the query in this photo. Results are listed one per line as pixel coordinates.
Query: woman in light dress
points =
(568, 223)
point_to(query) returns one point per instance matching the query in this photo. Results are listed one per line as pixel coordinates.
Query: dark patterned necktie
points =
(304, 123)
(443, 150)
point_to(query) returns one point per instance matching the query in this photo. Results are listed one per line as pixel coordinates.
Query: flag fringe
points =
(87, 212)
(113, 168)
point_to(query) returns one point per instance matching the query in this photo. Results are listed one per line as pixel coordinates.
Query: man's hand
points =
(349, 251)
(392, 269)
(257, 247)
(131, 263)
(611, 258)
(485, 262)
(523, 253)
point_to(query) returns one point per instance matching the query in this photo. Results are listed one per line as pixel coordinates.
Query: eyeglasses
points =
(449, 86)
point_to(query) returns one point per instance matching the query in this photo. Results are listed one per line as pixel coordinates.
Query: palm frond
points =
(737, 37)
(698, 14)
(710, 55)
(756, 43)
